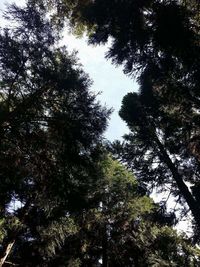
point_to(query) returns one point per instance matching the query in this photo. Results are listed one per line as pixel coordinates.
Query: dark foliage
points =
(50, 130)
(63, 202)
(158, 42)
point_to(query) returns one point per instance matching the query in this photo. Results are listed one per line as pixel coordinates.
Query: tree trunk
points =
(104, 247)
(14, 235)
(6, 252)
(192, 203)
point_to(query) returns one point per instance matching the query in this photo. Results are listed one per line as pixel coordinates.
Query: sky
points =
(107, 79)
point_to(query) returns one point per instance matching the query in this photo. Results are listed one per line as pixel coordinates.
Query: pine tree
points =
(157, 42)
(123, 229)
(50, 128)
(63, 201)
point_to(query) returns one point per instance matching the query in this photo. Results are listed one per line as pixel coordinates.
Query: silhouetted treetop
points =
(51, 128)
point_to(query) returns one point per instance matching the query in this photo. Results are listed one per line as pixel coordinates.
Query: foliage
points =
(121, 230)
(63, 200)
(157, 42)
(50, 130)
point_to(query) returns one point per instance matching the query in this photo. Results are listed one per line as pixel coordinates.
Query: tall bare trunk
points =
(8, 247)
(104, 247)
(6, 252)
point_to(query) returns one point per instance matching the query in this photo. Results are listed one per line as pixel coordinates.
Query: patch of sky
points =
(107, 79)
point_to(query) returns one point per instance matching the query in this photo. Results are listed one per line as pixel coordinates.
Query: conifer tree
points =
(157, 42)
(50, 127)
(63, 201)
(123, 229)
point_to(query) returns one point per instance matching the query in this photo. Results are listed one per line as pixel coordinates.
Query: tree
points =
(158, 42)
(57, 185)
(50, 130)
(123, 229)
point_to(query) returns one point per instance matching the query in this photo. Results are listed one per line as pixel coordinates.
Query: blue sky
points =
(107, 79)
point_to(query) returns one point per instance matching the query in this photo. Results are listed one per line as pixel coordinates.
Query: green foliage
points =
(50, 129)
(77, 205)
(54, 235)
(121, 229)
(157, 42)
(74, 263)
(2, 231)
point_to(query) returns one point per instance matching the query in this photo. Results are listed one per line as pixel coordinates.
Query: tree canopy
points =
(64, 200)
(157, 42)
(51, 130)
(123, 228)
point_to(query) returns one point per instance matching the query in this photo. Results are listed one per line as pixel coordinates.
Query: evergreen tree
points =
(63, 202)
(158, 42)
(50, 128)
(123, 229)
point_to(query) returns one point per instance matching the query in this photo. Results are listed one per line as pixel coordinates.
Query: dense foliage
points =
(123, 229)
(157, 42)
(63, 200)
(51, 127)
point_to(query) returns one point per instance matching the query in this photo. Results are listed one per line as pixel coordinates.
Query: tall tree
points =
(158, 42)
(50, 127)
(124, 229)
(54, 190)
